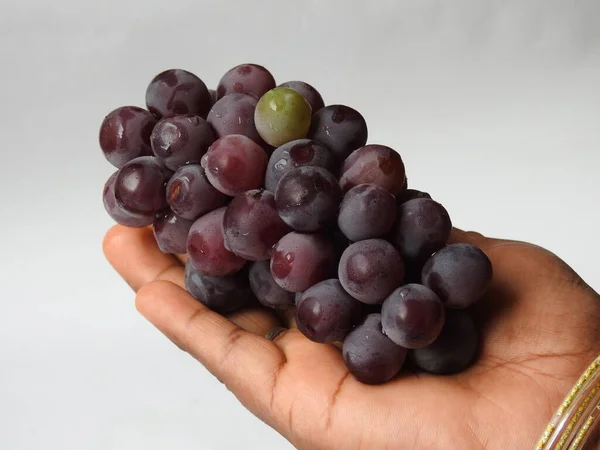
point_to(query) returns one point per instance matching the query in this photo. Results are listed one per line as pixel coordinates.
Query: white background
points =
(494, 106)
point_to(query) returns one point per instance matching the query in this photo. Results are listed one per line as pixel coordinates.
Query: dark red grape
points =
(326, 313)
(311, 95)
(140, 185)
(367, 211)
(302, 260)
(412, 316)
(181, 140)
(307, 198)
(125, 134)
(453, 350)
(190, 194)
(250, 79)
(374, 164)
(410, 194)
(117, 212)
(460, 274)
(251, 225)
(235, 164)
(370, 270)
(341, 128)
(370, 355)
(422, 227)
(298, 153)
(221, 294)
(266, 289)
(171, 232)
(175, 92)
(234, 114)
(206, 248)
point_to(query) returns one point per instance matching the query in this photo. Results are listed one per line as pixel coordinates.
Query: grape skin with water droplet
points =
(171, 232)
(294, 154)
(301, 260)
(251, 225)
(181, 140)
(206, 248)
(190, 194)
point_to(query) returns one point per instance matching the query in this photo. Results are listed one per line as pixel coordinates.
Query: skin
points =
(540, 330)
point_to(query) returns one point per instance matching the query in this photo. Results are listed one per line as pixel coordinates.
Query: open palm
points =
(540, 328)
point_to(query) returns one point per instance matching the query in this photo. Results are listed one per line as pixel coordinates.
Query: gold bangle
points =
(577, 415)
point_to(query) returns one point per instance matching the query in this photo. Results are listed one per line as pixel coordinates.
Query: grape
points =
(282, 115)
(311, 95)
(251, 225)
(375, 164)
(181, 140)
(266, 289)
(326, 313)
(206, 248)
(298, 153)
(367, 211)
(171, 232)
(370, 270)
(307, 198)
(221, 294)
(459, 273)
(453, 350)
(125, 134)
(117, 212)
(234, 114)
(235, 164)
(190, 194)
(370, 355)
(412, 316)
(176, 91)
(422, 227)
(250, 79)
(301, 260)
(410, 194)
(140, 185)
(341, 128)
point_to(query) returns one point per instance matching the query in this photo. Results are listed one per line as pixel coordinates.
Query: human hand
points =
(540, 328)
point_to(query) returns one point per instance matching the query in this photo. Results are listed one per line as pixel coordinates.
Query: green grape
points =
(282, 115)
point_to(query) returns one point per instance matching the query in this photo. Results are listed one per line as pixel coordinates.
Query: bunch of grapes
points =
(276, 197)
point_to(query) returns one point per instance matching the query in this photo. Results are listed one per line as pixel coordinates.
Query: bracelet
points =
(577, 415)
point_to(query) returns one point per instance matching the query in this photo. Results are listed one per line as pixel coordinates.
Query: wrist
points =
(575, 424)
